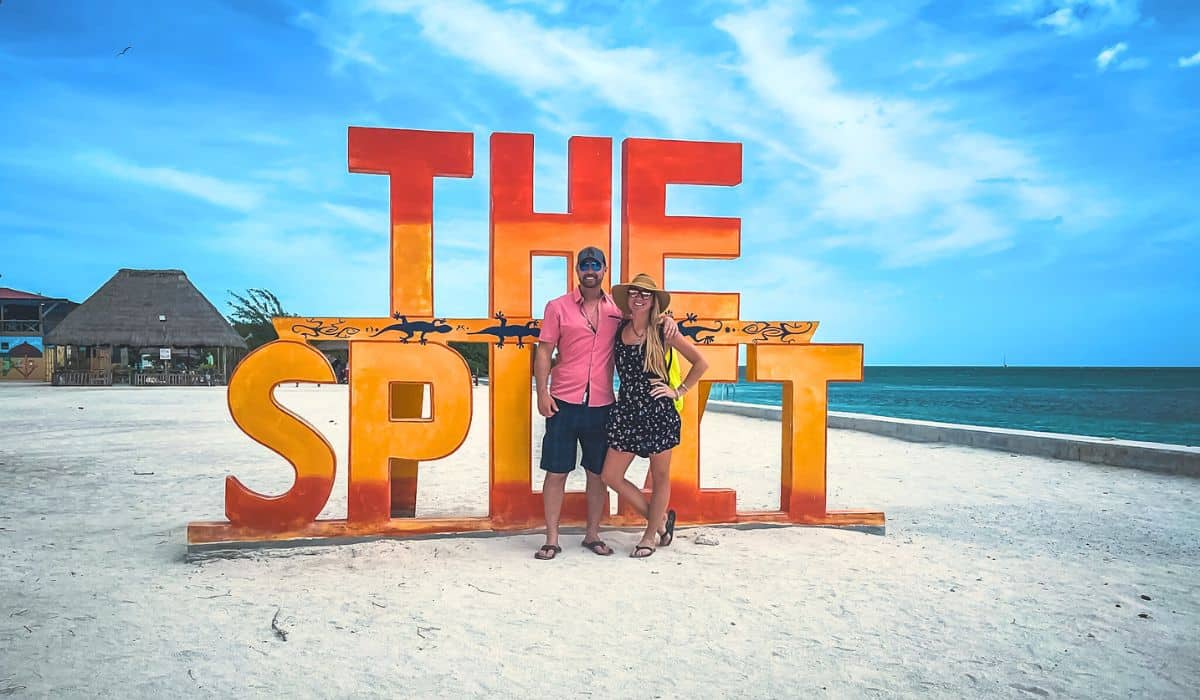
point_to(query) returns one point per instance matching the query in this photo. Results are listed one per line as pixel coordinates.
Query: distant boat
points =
(1005, 360)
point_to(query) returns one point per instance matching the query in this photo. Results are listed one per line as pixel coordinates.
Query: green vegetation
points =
(476, 355)
(252, 314)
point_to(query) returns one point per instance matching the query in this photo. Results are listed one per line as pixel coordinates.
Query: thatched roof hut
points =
(146, 308)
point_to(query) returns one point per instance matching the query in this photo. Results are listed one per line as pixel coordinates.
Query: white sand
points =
(999, 575)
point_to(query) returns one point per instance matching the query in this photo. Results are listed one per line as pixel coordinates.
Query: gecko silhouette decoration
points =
(411, 328)
(318, 327)
(522, 331)
(412, 402)
(782, 331)
(693, 332)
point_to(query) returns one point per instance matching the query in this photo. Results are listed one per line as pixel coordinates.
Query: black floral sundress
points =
(639, 423)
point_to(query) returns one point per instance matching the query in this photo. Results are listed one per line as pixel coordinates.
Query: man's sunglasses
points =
(591, 266)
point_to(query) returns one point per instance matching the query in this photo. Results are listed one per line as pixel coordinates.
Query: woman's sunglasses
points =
(640, 293)
(590, 266)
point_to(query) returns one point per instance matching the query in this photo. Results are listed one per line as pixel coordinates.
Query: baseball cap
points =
(593, 253)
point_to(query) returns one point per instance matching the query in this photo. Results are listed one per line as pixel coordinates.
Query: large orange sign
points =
(394, 359)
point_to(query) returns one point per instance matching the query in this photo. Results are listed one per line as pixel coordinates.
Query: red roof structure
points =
(25, 350)
(10, 294)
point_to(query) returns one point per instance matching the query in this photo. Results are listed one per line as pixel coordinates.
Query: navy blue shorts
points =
(575, 425)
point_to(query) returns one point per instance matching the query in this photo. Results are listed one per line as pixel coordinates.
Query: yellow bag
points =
(674, 377)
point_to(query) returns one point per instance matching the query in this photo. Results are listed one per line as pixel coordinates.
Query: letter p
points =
(379, 432)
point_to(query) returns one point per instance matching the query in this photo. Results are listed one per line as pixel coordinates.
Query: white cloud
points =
(223, 193)
(459, 235)
(553, 62)
(883, 167)
(851, 32)
(961, 228)
(1138, 63)
(375, 221)
(283, 240)
(1063, 21)
(887, 166)
(1108, 55)
(1071, 17)
(302, 234)
(553, 7)
(1042, 201)
(300, 178)
(1022, 7)
(950, 60)
(1189, 61)
(346, 47)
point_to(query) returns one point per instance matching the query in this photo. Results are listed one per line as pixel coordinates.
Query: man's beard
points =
(590, 281)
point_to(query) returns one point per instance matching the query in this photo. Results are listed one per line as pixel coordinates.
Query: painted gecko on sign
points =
(411, 328)
(502, 331)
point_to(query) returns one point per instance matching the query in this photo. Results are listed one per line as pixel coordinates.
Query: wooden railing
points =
(175, 379)
(21, 327)
(82, 377)
(101, 377)
(107, 377)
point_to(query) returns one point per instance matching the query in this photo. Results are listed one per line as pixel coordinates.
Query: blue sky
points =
(945, 182)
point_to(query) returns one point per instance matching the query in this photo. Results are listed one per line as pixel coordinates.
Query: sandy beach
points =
(999, 575)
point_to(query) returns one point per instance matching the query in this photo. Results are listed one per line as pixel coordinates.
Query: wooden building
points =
(144, 327)
(25, 318)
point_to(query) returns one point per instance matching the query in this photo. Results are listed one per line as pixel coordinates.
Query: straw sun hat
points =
(620, 292)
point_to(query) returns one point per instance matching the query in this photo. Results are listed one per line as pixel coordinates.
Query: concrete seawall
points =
(1149, 456)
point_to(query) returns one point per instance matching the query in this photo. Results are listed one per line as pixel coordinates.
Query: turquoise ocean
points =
(1151, 404)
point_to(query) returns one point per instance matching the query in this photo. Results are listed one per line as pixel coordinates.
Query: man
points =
(582, 325)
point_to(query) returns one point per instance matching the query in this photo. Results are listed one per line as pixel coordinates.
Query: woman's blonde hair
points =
(656, 350)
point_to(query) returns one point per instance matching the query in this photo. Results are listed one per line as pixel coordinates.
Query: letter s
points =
(254, 409)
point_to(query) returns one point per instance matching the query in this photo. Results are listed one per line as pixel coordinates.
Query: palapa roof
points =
(126, 310)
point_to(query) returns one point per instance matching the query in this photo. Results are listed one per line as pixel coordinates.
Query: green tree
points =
(476, 355)
(252, 314)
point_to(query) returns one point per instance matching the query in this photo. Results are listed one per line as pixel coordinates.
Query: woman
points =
(644, 421)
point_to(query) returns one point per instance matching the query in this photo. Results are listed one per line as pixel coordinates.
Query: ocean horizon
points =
(1153, 404)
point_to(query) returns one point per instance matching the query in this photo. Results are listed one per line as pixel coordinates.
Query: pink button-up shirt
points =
(585, 355)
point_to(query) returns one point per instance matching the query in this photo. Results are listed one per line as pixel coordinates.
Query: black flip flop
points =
(595, 546)
(665, 539)
(547, 552)
(634, 554)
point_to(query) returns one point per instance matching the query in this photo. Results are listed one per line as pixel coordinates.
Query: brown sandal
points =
(598, 548)
(665, 539)
(634, 554)
(547, 552)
